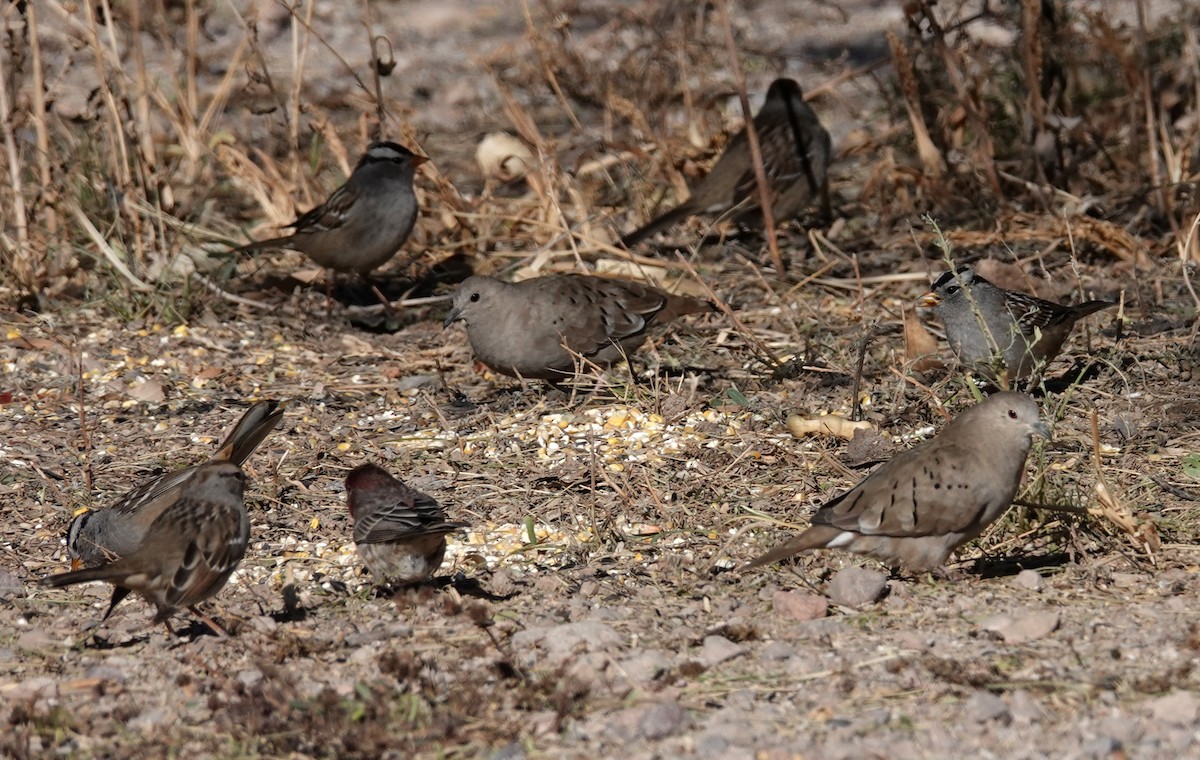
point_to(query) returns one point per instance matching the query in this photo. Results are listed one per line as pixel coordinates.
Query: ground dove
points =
(520, 329)
(916, 509)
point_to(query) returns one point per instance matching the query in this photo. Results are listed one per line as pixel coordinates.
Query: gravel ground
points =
(595, 607)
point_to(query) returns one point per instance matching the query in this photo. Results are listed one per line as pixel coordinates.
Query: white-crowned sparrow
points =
(100, 536)
(399, 532)
(1001, 332)
(365, 221)
(916, 509)
(191, 547)
(524, 329)
(796, 153)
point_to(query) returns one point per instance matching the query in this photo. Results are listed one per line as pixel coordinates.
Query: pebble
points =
(984, 707)
(1028, 579)
(799, 606)
(379, 633)
(510, 751)
(249, 678)
(717, 649)
(662, 720)
(776, 651)
(1017, 629)
(10, 586)
(148, 720)
(646, 666)
(857, 587)
(1179, 708)
(564, 640)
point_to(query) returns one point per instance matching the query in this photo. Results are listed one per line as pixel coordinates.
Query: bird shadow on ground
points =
(1004, 567)
(471, 587)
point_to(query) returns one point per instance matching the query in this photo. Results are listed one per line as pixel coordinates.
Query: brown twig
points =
(760, 175)
(742, 330)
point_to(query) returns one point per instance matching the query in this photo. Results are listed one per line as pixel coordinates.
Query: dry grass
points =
(1073, 158)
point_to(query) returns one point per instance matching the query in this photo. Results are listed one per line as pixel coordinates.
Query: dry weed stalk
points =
(17, 253)
(760, 175)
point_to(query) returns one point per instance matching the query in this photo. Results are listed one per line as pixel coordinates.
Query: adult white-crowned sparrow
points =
(796, 153)
(191, 547)
(399, 532)
(524, 329)
(916, 509)
(100, 536)
(365, 221)
(1001, 332)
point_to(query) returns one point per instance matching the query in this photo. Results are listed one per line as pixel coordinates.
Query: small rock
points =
(1021, 628)
(1179, 708)
(31, 689)
(984, 707)
(561, 641)
(501, 583)
(718, 649)
(510, 751)
(1128, 580)
(1028, 579)
(662, 720)
(379, 633)
(249, 678)
(149, 720)
(106, 672)
(1025, 708)
(263, 623)
(866, 447)
(10, 586)
(711, 746)
(35, 640)
(776, 651)
(646, 666)
(857, 587)
(795, 605)
(1101, 748)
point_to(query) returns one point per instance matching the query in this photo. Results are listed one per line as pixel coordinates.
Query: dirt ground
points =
(596, 608)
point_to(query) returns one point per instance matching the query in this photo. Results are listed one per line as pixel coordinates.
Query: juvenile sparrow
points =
(796, 153)
(916, 509)
(194, 542)
(100, 536)
(999, 331)
(524, 329)
(399, 532)
(365, 221)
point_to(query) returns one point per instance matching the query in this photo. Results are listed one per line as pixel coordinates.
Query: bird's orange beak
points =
(76, 564)
(930, 299)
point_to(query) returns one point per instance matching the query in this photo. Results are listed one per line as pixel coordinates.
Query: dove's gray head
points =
(474, 296)
(1005, 415)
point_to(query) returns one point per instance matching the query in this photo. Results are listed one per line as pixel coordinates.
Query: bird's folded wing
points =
(926, 491)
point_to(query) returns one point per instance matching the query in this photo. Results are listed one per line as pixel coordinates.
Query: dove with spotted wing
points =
(532, 329)
(919, 507)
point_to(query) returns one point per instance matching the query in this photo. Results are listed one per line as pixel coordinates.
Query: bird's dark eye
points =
(1012, 414)
(952, 290)
(474, 297)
